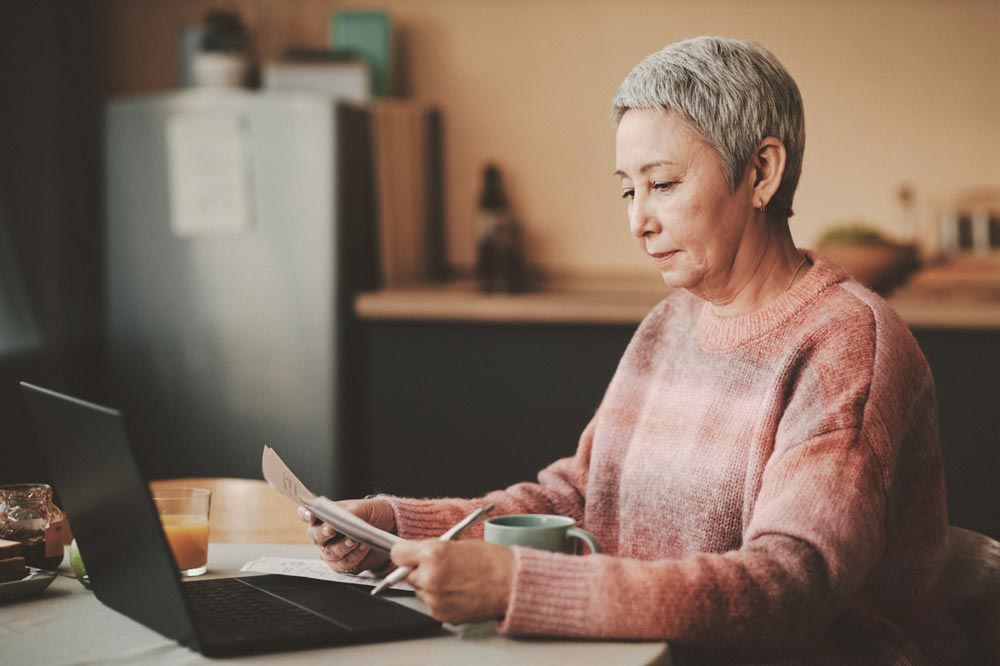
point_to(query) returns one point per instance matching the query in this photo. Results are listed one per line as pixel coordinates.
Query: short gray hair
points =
(735, 93)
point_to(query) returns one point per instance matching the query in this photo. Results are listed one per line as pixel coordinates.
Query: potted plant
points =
(223, 57)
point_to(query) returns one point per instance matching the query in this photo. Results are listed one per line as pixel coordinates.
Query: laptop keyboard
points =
(244, 613)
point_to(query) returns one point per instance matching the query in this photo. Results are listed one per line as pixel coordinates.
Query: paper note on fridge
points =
(279, 477)
(209, 167)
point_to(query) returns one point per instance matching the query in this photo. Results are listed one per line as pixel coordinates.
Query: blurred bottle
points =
(499, 246)
(906, 195)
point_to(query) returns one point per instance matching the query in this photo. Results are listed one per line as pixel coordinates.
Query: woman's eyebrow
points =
(645, 167)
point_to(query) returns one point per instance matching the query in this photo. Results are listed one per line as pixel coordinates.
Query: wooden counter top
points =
(963, 294)
(924, 313)
(589, 302)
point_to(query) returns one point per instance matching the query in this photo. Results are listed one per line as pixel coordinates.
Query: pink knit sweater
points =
(766, 487)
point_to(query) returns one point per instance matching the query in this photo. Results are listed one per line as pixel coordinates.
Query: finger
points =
(414, 553)
(350, 562)
(321, 534)
(406, 554)
(429, 576)
(307, 516)
(329, 556)
(424, 558)
(416, 578)
(326, 554)
(338, 549)
(336, 565)
(353, 560)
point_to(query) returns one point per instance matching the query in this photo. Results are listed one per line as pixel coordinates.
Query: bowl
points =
(880, 267)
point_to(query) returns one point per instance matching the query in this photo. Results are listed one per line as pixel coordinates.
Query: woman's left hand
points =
(460, 581)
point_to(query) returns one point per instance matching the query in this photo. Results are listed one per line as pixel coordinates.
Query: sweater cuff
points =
(549, 594)
(417, 519)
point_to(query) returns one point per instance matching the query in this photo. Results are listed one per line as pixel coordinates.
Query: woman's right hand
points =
(343, 554)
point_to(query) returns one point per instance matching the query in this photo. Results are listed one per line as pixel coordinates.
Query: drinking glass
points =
(184, 516)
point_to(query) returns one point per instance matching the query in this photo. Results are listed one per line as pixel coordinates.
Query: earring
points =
(762, 207)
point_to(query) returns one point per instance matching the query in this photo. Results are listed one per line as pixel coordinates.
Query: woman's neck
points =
(762, 274)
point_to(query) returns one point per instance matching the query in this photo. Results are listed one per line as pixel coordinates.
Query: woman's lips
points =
(661, 257)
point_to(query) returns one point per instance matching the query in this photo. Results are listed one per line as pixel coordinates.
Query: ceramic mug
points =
(545, 532)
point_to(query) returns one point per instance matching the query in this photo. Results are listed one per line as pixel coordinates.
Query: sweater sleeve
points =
(815, 535)
(560, 489)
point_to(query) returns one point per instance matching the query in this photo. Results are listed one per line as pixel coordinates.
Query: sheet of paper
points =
(211, 184)
(279, 477)
(313, 569)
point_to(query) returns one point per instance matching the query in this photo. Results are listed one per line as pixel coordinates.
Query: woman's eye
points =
(628, 194)
(663, 187)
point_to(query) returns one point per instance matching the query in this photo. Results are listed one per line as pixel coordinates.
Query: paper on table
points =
(279, 477)
(317, 569)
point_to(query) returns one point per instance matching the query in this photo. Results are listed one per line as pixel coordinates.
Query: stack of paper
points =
(279, 477)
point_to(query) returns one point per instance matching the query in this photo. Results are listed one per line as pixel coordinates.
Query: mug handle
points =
(586, 537)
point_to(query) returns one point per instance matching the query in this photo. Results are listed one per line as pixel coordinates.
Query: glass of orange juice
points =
(184, 516)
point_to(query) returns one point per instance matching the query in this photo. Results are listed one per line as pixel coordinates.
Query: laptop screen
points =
(110, 510)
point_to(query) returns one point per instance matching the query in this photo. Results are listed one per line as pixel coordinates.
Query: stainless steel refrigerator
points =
(224, 308)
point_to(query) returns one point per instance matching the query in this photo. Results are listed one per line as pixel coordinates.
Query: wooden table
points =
(245, 511)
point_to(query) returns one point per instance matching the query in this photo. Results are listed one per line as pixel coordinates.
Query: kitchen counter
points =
(578, 301)
(961, 294)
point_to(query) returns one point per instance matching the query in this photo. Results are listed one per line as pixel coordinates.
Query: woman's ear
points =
(768, 166)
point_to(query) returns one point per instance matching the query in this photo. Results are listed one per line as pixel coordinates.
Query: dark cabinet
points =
(457, 409)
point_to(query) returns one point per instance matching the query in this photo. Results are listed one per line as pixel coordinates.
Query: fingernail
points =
(327, 531)
(363, 547)
(349, 543)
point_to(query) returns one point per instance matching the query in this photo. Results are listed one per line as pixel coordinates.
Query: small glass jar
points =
(28, 515)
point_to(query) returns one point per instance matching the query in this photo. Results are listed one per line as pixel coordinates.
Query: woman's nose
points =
(642, 221)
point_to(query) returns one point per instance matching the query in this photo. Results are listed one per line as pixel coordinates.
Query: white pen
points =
(456, 529)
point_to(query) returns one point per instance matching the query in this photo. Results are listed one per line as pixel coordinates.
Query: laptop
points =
(132, 569)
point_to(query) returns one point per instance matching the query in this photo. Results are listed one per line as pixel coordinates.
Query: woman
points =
(763, 471)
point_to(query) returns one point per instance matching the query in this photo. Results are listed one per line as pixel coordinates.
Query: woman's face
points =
(680, 206)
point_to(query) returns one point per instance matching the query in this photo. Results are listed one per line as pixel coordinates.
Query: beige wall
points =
(895, 92)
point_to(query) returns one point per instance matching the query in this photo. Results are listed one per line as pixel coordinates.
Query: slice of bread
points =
(12, 569)
(10, 549)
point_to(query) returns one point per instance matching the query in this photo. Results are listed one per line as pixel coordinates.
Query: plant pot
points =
(219, 70)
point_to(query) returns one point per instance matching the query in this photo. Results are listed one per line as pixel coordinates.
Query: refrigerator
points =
(224, 293)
